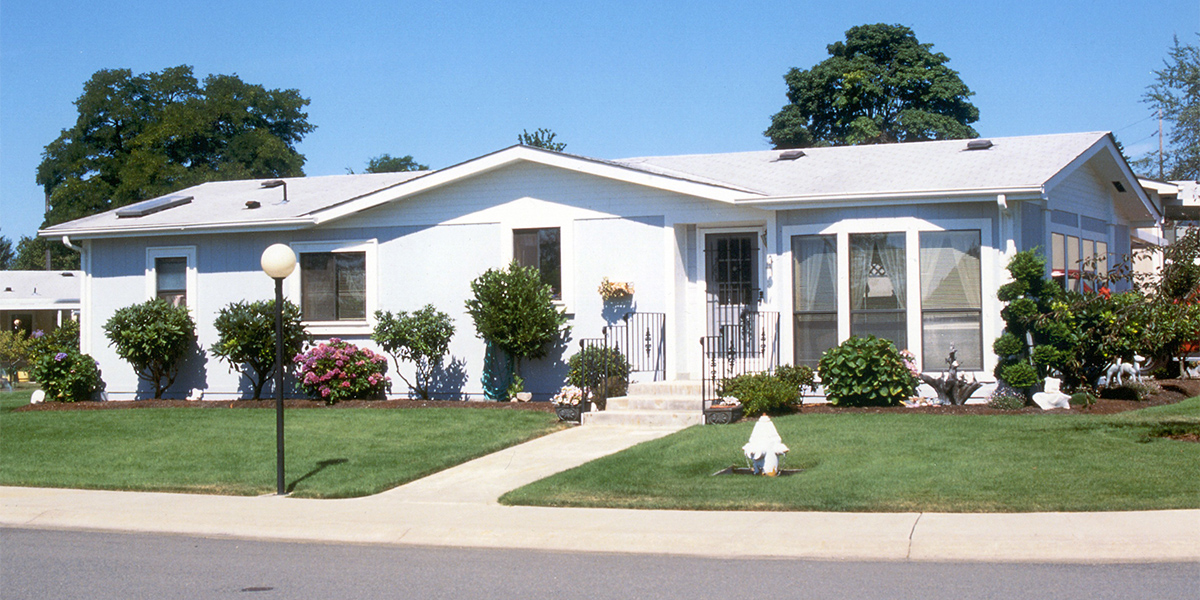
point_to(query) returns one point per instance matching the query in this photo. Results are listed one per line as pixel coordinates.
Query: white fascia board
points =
(886, 198)
(152, 230)
(1148, 237)
(515, 154)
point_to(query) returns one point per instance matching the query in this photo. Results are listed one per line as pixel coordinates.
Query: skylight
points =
(149, 207)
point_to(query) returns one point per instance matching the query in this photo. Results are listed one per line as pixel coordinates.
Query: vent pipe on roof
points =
(274, 183)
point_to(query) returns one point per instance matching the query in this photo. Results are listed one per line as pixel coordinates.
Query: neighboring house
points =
(904, 241)
(38, 300)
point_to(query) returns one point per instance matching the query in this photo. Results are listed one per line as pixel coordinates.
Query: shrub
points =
(604, 372)
(1006, 402)
(422, 338)
(339, 370)
(154, 337)
(68, 376)
(800, 378)
(515, 313)
(1133, 390)
(14, 352)
(63, 339)
(866, 371)
(1020, 375)
(760, 392)
(1082, 400)
(247, 337)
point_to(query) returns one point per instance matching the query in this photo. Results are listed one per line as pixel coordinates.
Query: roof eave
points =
(152, 230)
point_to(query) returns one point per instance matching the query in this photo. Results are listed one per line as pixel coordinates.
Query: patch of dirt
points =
(288, 403)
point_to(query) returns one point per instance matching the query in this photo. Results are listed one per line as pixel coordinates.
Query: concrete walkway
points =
(458, 507)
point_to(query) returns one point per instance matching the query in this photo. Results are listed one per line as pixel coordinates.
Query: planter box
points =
(722, 415)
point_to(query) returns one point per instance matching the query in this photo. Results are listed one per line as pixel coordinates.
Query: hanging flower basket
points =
(615, 290)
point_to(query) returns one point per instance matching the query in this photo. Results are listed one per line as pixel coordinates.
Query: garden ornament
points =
(38, 397)
(1052, 397)
(764, 448)
(952, 387)
(1117, 371)
(196, 395)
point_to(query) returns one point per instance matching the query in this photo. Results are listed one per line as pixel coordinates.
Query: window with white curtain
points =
(814, 273)
(951, 298)
(877, 287)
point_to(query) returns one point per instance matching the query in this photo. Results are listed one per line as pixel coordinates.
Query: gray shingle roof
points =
(1012, 162)
(224, 203)
(39, 290)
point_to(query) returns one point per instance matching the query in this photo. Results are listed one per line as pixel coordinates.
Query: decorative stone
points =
(38, 397)
(523, 396)
(197, 394)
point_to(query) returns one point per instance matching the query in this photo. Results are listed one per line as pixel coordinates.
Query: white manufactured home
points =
(760, 258)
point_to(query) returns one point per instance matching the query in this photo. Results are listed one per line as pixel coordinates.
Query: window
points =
(542, 250)
(877, 287)
(171, 274)
(1058, 259)
(333, 286)
(814, 273)
(951, 298)
(171, 279)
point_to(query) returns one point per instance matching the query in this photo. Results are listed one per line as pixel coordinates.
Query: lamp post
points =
(278, 261)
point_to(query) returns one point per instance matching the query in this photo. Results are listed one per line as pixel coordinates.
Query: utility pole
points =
(1160, 146)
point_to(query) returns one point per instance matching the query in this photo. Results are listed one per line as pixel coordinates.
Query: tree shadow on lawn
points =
(321, 465)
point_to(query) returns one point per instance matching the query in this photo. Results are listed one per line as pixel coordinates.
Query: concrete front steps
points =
(653, 404)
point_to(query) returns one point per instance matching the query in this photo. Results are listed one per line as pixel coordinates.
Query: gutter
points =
(980, 194)
(150, 230)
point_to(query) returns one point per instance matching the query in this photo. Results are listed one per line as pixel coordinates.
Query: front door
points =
(731, 261)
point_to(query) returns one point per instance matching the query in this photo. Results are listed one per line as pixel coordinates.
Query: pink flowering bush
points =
(339, 370)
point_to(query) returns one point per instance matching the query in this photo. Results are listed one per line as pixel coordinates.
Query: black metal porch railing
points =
(740, 340)
(639, 337)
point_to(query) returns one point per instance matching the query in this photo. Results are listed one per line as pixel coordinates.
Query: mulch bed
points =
(289, 403)
(1174, 390)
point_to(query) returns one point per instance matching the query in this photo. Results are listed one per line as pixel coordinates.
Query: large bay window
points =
(951, 298)
(814, 271)
(877, 287)
(877, 293)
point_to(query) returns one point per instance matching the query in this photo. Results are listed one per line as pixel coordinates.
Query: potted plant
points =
(615, 290)
(569, 403)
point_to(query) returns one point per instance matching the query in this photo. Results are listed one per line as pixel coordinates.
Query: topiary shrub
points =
(68, 376)
(866, 371)
(422, 338)
(247, 337)
(154, 337)
(515, 313)
(339, 370)
(760, 393)
(604, 372)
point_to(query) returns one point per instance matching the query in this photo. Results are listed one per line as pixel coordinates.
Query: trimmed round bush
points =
(1019, 375)
(68, 376)
(602, 370)
(760, 393)
(866, 371)
(339, 370)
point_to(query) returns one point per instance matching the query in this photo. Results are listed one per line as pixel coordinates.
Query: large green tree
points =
(141, 136)
(386, 163)
(7, 256)
(880, 85)
(31, 255)
(542, 138)
(1176, 92)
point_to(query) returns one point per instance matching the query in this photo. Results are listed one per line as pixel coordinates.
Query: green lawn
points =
(330, 453)
(899, 462)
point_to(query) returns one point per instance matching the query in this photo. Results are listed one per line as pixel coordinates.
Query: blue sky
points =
(447, 81)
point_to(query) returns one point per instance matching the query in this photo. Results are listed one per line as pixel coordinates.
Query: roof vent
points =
(150, 207)
(790, 154)
(979, 144)
(253, 204)
(1120, 187)
(67, 274)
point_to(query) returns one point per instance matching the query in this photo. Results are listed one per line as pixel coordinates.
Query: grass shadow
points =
(321, 466)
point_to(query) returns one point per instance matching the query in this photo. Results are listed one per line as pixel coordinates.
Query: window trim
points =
(990, 257)
(187, 252)
(370, 250)
(547, 216)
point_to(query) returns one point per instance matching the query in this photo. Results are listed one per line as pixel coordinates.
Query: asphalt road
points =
(72, 564)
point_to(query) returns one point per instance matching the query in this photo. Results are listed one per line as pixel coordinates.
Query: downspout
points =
(84, 299)
(66, 240)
